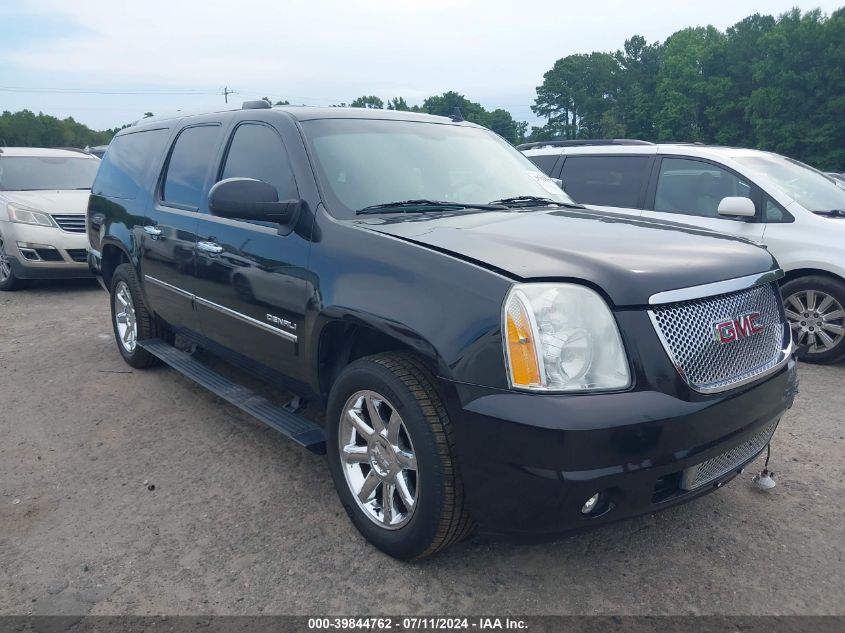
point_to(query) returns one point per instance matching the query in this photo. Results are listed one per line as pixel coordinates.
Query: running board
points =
(291, 425)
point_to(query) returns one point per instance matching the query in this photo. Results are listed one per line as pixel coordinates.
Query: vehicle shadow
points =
(65, 285)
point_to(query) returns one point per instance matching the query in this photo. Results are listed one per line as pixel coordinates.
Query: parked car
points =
(486, 352)
(43, 198)
(98, 150)
(794, 210)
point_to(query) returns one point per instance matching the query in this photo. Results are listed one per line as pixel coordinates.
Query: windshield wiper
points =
(534, 201)
(402, 206)
(836, 213)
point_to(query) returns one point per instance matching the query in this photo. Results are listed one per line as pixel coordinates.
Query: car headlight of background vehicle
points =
(25, 215)
(562, 337)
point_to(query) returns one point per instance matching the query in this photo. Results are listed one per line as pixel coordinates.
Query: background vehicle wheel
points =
(390, 452)
(8, 281)
(815, 307)
(131, 320)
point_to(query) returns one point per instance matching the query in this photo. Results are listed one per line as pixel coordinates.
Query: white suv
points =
(43, 200)
(794, 210)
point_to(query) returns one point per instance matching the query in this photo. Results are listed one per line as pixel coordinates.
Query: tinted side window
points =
(188, 165)
(256, 151)
(613, 181)
(693, 187)
(127, 162)
(544, 162)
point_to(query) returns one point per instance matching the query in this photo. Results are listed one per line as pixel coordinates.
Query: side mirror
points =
(251, 199)
(735, 206)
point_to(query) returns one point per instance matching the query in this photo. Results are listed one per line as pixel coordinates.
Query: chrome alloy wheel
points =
(817, 320)
(5, 265)
(124, 317)
(378, 459)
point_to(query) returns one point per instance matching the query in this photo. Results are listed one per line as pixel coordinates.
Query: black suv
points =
(487, 353)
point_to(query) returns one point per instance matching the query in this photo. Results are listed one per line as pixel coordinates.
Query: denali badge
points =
(272, 318)
(741, 327)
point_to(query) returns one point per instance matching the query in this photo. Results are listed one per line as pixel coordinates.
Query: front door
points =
(170, 229)
(252, 284)
(689, 190)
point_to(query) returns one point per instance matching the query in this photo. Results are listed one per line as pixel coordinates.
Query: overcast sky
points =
(315, 52)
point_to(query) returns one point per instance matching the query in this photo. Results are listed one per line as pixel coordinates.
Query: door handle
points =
(210, 247)
(151, 230)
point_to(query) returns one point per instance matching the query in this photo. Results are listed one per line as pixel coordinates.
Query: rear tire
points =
(131, 320)
(815, 307)
(389, 442)
(8, 280)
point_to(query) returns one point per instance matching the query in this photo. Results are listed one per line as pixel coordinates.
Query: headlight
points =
(562, 337)
(23, 215)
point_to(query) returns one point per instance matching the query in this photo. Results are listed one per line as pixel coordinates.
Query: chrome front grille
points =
(688, 331)
(70, 223)
(705, 472)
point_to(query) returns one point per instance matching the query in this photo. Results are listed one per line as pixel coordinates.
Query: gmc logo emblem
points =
(741, 327)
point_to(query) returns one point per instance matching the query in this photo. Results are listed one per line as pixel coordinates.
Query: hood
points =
(72, 201)
(628, 258)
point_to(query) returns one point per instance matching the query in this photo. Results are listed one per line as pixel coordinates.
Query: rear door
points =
(617, 184)
(170, 229)
(689, 190)
(252, 289)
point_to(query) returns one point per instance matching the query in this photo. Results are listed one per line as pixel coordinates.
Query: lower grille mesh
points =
(705, 472)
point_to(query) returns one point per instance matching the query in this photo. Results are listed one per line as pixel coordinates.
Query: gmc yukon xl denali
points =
(487, 354)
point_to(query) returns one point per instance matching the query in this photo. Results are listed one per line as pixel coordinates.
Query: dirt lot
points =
(242, 522)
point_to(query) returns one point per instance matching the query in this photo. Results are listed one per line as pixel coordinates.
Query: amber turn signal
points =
(522, 353)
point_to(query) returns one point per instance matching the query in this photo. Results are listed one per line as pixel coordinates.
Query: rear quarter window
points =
(613, 181)
(545, 162)
(127, 162)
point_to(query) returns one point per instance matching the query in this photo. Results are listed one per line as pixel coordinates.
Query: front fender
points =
(445, 308)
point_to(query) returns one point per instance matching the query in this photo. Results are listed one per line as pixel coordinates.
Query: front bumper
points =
(41, 252)
(529, 462)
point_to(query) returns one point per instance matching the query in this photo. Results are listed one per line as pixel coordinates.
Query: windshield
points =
(810, 188)
(362, 163)
(34, 173)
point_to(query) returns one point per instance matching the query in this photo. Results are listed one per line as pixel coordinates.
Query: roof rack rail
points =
(78, 150)
(579, 142)
(258, 104)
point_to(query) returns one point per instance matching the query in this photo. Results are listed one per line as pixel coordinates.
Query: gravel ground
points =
(136, 492)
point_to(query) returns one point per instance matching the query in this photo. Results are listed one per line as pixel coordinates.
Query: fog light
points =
(592, 503)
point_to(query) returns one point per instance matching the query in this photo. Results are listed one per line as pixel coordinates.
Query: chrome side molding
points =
(223, 309)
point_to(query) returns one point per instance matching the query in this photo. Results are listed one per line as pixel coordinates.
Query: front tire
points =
(390, 453)
(131, 320)
(8, 280)
(815, 307)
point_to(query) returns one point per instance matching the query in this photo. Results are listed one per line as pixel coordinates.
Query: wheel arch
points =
(796, 273)
(113, 255)
(339, 342)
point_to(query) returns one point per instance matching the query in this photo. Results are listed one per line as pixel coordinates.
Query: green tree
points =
(639, 65)
(692, 83)
(398, 103)
(797, 107)
(370, 101)
(500, 121)
(27, 129)
(578, 96)
(445, 104)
